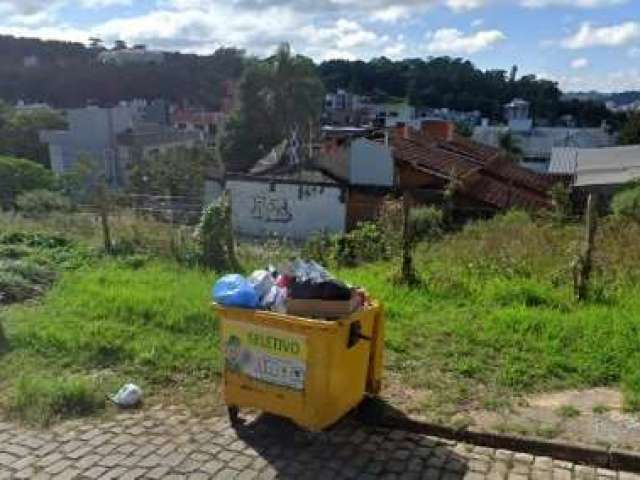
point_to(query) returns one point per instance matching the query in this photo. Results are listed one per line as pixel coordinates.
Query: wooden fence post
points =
(583, 265)
(103, 210)
(407, 272)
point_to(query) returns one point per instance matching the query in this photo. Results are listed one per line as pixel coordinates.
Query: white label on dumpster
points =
(266, 354)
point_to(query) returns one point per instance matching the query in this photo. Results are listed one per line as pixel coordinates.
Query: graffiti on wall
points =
(271, 209)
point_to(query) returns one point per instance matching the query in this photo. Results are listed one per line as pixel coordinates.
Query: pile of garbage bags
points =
(273, 288)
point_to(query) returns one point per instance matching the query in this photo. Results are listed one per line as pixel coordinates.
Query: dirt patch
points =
(402, 396)
(591, 416)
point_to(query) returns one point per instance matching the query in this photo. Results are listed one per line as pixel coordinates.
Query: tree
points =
(95, 43)
(626, 203)
(178, 172)
(630, 133)
(510, 144)
(18, 175)
(20, 133)
(277, 95)
(120, 45)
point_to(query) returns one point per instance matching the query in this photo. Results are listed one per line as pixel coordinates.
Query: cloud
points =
(464, 5)
(607, 36)
(572, 3)
(344, 34)
(396, 49)
(25, 7)
(615, 81)
(455, 42)
(579, 63)
(391, 14)
(103, 3)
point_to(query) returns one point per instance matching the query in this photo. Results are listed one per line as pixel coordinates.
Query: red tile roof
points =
(485, 174)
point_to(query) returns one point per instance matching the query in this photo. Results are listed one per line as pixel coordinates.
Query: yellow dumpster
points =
(310, 371)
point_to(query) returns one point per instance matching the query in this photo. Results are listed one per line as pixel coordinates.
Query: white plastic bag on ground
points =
(128, 396)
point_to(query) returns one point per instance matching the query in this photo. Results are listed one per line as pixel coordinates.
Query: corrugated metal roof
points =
(563, 160)
(607, 166)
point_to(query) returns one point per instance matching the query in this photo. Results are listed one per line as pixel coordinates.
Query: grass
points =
(149, 325)
(492, 319)
(42, 400)
(600, 409)
(568, 411)
(495, 318)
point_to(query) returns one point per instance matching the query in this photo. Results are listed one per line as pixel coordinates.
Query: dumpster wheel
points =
(234, 414)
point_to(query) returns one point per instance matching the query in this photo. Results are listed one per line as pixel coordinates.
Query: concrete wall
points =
(288, 210)
(212, 191)
(370, 164)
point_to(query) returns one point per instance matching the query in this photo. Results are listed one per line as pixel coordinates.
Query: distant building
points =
(392, 115)
(206, 123)
(347, 109)
(344, 108)
(537, 143)
(471, 119)
(149, 139)
(113, 137)
(518, 116)
(30, 61)
(127, 56)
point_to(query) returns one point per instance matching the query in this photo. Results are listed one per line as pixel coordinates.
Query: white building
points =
(131, 56)
(537, 143)
(292, 205)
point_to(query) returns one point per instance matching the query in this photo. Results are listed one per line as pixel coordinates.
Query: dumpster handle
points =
(355, 334)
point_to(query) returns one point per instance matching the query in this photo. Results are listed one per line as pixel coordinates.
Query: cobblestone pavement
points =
(170, 444)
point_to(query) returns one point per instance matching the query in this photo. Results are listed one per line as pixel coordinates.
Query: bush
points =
(366, 243)
(21, 280)
(15, 288)
(319, 247)
(39, 203)
(426, 223)
(18, 176)
(626, 203)
(215, 235)
(41, 400)
(34, 239)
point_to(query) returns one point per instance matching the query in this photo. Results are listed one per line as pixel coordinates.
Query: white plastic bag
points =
(128, 396)
(262, 282)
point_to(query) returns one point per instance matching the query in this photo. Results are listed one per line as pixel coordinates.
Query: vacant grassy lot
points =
(493, 319)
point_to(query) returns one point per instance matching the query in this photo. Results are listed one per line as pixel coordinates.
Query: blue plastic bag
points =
(235, 291)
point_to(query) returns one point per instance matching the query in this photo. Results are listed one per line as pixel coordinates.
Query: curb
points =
(611, 458)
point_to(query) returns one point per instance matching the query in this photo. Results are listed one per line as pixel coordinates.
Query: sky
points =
(582, 44)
